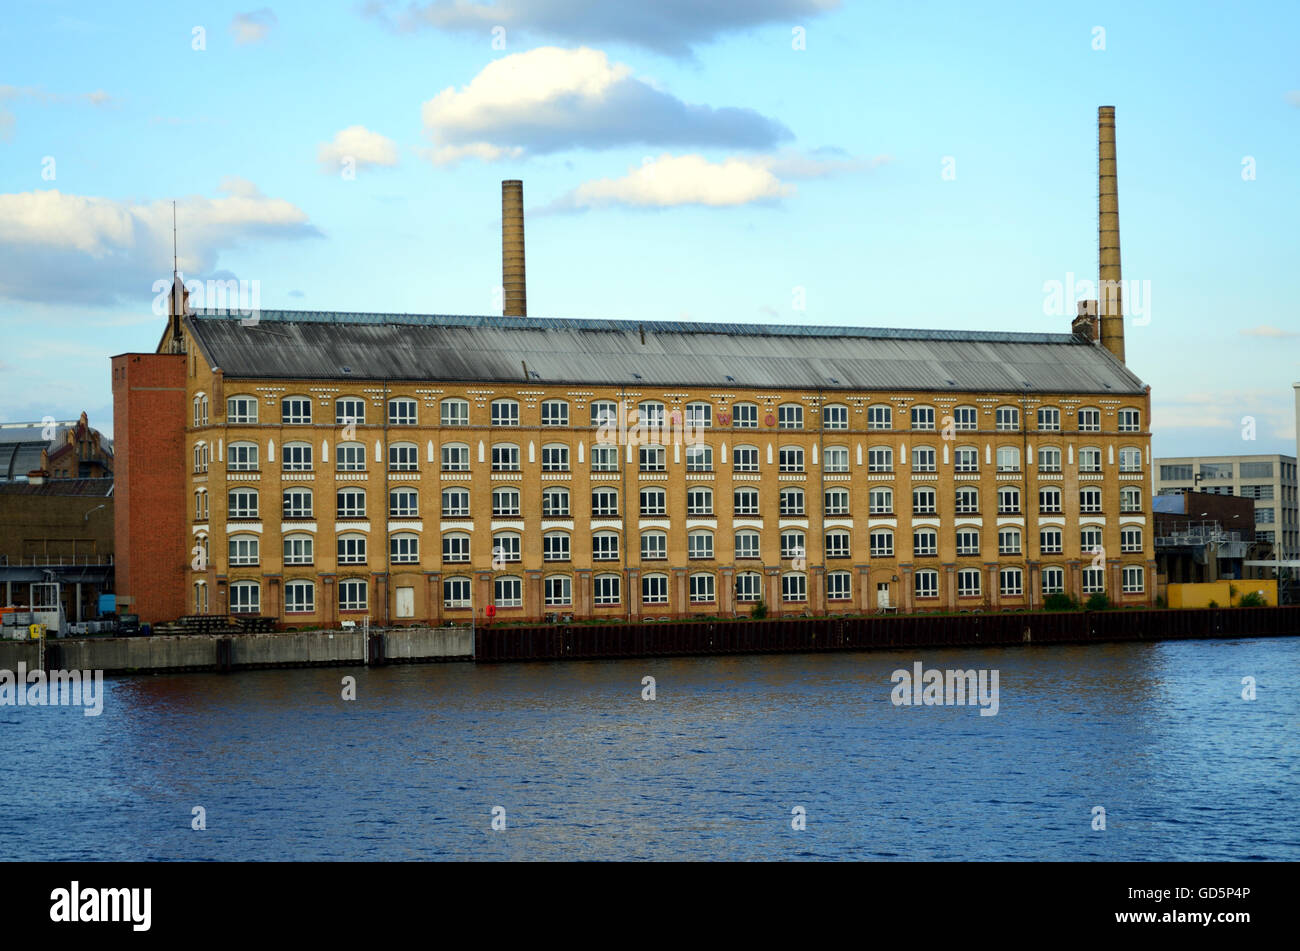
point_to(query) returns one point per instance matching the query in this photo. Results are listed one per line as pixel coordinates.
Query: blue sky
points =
(681, 160)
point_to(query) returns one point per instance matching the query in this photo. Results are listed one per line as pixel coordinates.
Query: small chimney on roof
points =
(1085, 323)
(513, 283)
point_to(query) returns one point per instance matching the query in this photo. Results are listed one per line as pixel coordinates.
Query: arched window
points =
(604, 546)
(354, 594)
(882, 543)
(453, 412)
(1008, 459)
(241, 503)
(349, 411)
(794, 544)
(1008, 500)
(1049, 419)
(749, 587)
(836, 459)
(299, 597)
(699, 415)
(555, 458)
(555, 546)
(923, 417)
(1130, 459)
(651, 414)
(505, 503)
(1130, 420)
(241, 409)
(794, 586)
(351, 503)
(654, 546)
(968, 501)
(792, 502)
(296, 457)
(745, 459)
(245, 597)
(839, 586)
(295, 410)
(1089, 459)
(789, 416)
(745, 502)
(402, 412)
(1130, 499)
(299, 549)
(924, 501)
(297, 503)
(1049, 459)
(456, 592)
(244, 550)
(1049, 500)
(555, 503)
(965, 418)
(558, 590)
(555, 413)
(881, 501)
(702, 588)
(403, 457)
(506, 547)
(966, 459)
(925, 584)
(654, 589)
(699, 501)
(836, 501)
(352, 549)
(455, 457)
(404, 548)
(837, 543)
(241, 457)
(604, 413)
(1009, 540)
(1008, 418)
(925, 542)
(1089, 419)
(1053, 577)
(744, 416)
(747, 545)
(403, 503)
(505, 457)
(835, 416)
(699, 544)
(505, 413)
(606, 589)
(455, 547)
(350, 457)
(604, 502)
(455, 503)
(699, 458)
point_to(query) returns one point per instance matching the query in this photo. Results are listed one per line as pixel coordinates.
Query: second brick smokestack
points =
(513, 283)
(1109, 293)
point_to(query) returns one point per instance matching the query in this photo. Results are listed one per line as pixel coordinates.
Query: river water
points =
(1157, 734)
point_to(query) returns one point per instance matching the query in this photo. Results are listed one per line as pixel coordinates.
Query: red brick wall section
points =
(149, 405)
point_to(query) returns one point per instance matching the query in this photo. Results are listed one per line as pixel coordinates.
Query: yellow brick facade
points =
(835, 460)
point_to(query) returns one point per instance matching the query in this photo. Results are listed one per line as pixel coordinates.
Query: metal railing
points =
(47, 561)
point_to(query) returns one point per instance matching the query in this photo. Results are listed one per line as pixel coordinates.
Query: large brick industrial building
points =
(313, 467)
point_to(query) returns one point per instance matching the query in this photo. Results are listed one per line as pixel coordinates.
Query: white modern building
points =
(1268, 479)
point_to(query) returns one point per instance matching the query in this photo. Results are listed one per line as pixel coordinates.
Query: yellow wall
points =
(1200, 595)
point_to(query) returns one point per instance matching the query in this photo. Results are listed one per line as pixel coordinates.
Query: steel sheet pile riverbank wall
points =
(572, 642)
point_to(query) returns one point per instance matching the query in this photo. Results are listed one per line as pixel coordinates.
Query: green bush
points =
(1098, 602)
(1161, 602)
(1252, 599)
(1212, 604)
(1060, 602)
(760, 611)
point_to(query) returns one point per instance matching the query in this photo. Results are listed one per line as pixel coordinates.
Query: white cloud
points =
(42, 97)
(1267, 330)
(366, 149)
(669, 181)
(682, 180)
(76, 248)
(549, 99)
(665, 26)
(252, 27)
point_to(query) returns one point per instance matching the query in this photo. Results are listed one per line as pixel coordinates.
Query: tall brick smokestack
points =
(512, 249)
(1109, 287)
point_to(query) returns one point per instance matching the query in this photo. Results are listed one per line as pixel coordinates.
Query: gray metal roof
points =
(441, 348)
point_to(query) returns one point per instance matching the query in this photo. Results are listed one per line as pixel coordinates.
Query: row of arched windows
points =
(454, 411)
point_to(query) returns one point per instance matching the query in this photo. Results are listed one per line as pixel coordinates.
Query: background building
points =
(56, 517)
(1203, 537)
(1268, 480)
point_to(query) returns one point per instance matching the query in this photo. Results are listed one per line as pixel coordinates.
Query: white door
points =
(882, 594)
(406, 602)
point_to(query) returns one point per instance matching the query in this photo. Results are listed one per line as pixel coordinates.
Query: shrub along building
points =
(319, 466)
